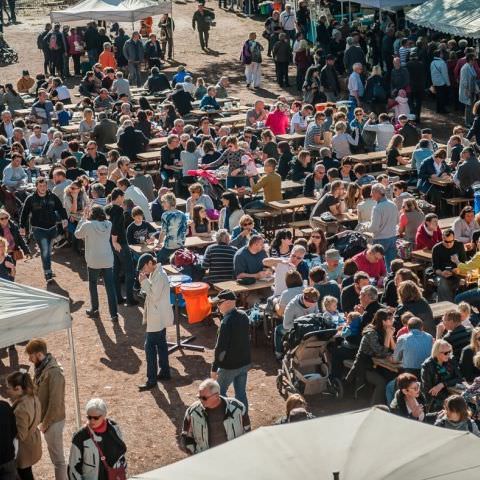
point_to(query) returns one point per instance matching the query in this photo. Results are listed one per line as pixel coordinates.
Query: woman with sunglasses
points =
(282, 244)
(409, 401)
(439, 371)
(10, 231)
(100, 437)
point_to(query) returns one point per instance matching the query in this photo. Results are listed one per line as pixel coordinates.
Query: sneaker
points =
(92, 313)
(146, 386)
(49, 277)
(164, 376)
(114, 319)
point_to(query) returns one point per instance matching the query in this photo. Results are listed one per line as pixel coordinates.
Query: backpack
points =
(378, 93)
(52, 42)
(350, 244)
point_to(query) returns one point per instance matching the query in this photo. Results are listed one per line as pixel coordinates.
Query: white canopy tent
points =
(368, 444)
(456, 17)
(27, 312)
(386, 4)
(112, 10)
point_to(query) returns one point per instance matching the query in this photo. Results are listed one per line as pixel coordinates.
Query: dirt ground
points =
(110, 357)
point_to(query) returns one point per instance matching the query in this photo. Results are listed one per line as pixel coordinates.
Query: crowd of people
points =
(87, 190)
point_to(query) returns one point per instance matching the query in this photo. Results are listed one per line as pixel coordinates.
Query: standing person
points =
(468, 88)
(57, 47)
(329, 81)
(76, 48)
(50, 387)
(134, 53)
(418, 80)
(282, 55)
(118, 43)
(98, 447)
(232, 352)
(122, 256)
(95, 230)
(153, 52)
(288, 22)
(8, 427)
(384, 223)
(42, 45)
(212, 420)
(27, 409)
(356, 88)
(252, 59)
(167, 27)
(157, 316)
(203, 19)
(271, 25)
(41, 210)
(440, 81)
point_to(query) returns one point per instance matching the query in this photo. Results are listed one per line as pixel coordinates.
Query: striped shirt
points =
(218, 260)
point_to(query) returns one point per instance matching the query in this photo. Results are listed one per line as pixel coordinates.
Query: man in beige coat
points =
(50, 389)
(157, 316)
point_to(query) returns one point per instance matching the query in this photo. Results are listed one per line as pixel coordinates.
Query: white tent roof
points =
(27, 312)
(369, 444)
(457, 17)
(385, 4)
(112, 10)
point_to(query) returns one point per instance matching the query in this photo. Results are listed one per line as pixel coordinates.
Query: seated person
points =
(123, 170)
(429, 233)
(315, 181)
(333, 202)
(433, 167)
(294, 286)
(248, 261)
(333, 265)
(283, 265)
(372, 262)
(208, 102)
(140, 231)
(409, 401)
(326, 287)
(244, 231)
(270, 183)
(361, 175)
(330, 311)
(389, 296)
(446, 255)
(302, 304)
(351, 295)
(14, 176)
(439, 371)
(422, 152)
(456, 416)
(200, 224)
(198, 197)
(465, 226)
(453, 332)
(218, 258)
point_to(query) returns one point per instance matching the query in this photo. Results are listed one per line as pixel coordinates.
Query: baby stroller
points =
(306, 366)
(210, 184)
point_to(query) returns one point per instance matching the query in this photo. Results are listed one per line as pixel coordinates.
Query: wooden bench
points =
(458, 203)
(298, 225)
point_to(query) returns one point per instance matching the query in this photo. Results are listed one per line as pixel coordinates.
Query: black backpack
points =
(350, 244)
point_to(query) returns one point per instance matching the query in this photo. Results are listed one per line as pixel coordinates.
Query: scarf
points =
(41, 366)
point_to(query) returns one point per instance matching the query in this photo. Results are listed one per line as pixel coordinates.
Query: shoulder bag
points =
(119, 473)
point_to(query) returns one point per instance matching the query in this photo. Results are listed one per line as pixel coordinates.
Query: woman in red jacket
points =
(428, 233)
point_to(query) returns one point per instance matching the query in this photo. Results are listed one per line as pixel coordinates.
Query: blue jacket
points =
(427, 169)
(208, 102)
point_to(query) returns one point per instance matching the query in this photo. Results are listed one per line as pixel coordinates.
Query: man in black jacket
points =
(8, 427)
(41, 209)
(132, 142)
(329, 79)
(232, 356)
(92, 159)
(282, 55)
(418, 79)
(182, 100)
(153, 52)
(203, 19)
(105, 131)
(157, 81)
(42, 45)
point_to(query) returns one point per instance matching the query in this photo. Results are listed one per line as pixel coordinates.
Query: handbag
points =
(118, 473)
(18, 255)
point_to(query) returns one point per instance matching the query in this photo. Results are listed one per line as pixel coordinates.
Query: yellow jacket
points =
(471, 265)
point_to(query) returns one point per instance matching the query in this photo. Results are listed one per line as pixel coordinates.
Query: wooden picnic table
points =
(342, 218)
(387, 364)
(400, 170)
(286, 185)
(155, 142)
(71, 129)
(148, 156)
(231, 111)
(293, 204)
(445, 223)
(291, 137)
(441, 181)
(234, 119)
(440, 308)
(190, 242)
(236, 288)
(422, 255)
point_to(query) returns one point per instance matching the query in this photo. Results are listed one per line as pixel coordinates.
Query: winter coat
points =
(98, 251)
(467, 87)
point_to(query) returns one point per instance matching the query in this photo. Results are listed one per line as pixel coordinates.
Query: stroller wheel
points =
(337, 388)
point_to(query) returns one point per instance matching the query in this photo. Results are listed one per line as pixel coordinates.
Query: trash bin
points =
(196, 300)
(177, 280)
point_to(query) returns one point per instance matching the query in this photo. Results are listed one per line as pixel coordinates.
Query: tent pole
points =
(350, 11)
(341, 8)
(75, 377)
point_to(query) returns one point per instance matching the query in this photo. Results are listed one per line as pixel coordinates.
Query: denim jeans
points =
(238, 377)
(163, 255)
(471, 296)
(278, 339)
(92, 55)
(233, 182)
(134, 75)
(44, 239)
(156, 347)
(390, 247)
(123, 262)
(107, 273)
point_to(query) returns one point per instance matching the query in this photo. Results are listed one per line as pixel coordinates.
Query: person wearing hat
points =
(157, 316)
(232, 355)
(25, 83)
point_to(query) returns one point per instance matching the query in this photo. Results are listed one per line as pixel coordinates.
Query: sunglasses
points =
(315, 236)
(448, 352)
(101, 173)
(3, 218)
(449, 241)
(203, 398)
(93, 417)
(297, 257)
(247, 224)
